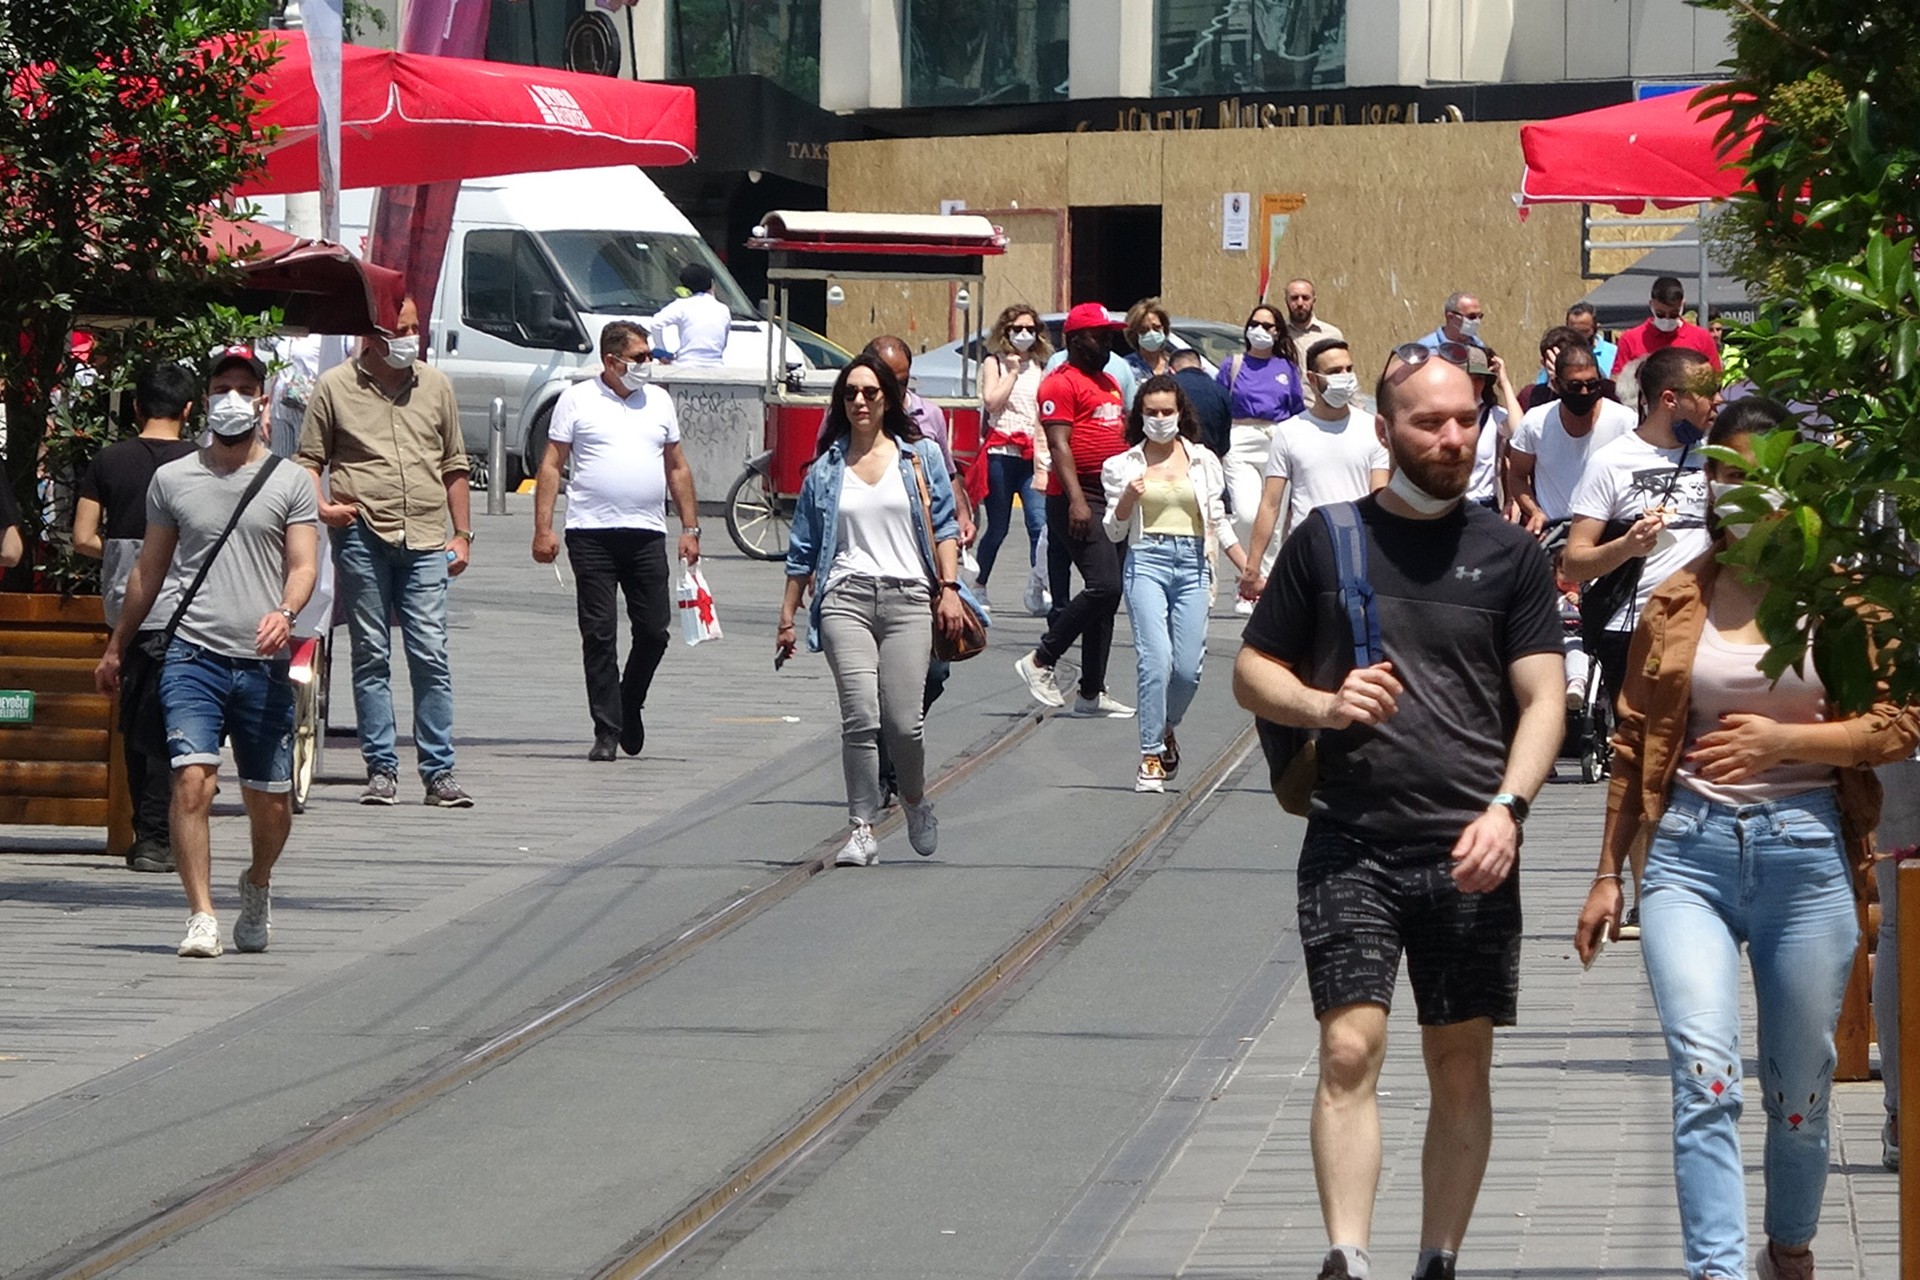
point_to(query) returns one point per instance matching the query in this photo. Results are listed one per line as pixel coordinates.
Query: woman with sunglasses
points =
(1263, 382)
(1017, 350)
(860, 538)
(1759, 795)
(1164, 502)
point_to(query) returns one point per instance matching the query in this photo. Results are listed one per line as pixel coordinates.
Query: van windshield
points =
(634, 272)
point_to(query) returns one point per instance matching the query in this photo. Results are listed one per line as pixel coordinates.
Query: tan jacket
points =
(1651, 733)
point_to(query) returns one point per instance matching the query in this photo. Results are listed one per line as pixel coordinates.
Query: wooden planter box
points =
(65, 768)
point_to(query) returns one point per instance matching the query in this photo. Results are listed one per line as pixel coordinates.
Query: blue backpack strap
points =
(1356, 592)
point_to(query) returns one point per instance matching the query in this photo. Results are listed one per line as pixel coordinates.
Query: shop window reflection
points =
(1240, 46)
(969, 52)
(778, 39)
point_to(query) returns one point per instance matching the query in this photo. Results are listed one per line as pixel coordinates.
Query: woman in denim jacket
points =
(860, 539)
(1760, 799)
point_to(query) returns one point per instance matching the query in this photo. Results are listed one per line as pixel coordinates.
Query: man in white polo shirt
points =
(623, 437)
(700, 321)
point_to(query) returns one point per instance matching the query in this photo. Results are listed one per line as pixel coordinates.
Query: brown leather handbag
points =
(972, 639)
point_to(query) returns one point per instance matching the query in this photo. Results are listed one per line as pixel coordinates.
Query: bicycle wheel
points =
(758, 519)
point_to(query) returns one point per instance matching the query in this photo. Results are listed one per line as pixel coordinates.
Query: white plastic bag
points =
(698, 621)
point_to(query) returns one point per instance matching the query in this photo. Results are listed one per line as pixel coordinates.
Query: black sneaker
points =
(1334, 1266)
(150, 853)
(1630, 926)
(1437, 1269)
(603, 748)
(446, 793)
(633, 732)
(382, 788)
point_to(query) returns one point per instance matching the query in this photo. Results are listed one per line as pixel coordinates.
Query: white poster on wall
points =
(950, 207)
(1236, 215)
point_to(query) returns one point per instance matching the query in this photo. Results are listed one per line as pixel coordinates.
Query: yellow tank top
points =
(1170, 507)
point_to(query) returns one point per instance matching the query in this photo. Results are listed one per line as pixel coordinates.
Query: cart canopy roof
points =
(812, 231)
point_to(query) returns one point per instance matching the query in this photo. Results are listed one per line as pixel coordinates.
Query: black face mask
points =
(1580, 403)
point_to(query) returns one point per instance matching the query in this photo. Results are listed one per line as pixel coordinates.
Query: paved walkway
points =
(1580, 1182)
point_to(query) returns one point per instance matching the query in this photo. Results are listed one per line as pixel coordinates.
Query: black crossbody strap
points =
(193, 588)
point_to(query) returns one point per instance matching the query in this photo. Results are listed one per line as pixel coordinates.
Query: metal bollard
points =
(497, 457)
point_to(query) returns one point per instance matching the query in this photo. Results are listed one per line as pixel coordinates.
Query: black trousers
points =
(605, 563)
(143, 731)
(1088, 617)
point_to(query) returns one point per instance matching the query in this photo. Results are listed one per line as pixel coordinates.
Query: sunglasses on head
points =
(1414, 354)
(869, 394)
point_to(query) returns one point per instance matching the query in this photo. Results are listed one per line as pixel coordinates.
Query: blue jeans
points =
(374, 580)
(1775, 877)
(1008, 474)
(205, 696)
(1166, 585)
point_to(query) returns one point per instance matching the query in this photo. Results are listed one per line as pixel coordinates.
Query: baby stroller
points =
(1589, 735)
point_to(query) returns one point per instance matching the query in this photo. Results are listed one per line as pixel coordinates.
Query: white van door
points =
(507, 331)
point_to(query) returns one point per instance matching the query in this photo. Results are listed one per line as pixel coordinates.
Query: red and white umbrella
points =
(409, 118)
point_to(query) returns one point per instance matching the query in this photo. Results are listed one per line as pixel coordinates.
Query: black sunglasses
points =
(1414, 354)
(1022, 328)
(1582, 387)
(869, 394)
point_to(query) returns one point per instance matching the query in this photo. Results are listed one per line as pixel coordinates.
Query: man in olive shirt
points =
(384, 432)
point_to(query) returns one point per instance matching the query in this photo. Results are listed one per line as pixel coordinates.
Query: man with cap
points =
(1083, 411)
(384, 429)
(700, 321)
(232, 598)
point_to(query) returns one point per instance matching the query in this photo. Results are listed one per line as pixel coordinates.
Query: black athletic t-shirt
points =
(9, 509)
(1459, 598)
(118, 479)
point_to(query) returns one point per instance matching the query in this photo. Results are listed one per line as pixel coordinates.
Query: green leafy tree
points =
(122, 124)
(1828, 91)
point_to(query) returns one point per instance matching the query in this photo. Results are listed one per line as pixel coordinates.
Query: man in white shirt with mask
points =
(1461, 323)
(700, 321)
(1330, 453)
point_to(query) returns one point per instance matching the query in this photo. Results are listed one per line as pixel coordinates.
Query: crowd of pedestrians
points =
(1431, 578)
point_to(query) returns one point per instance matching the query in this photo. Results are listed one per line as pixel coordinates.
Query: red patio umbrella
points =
(1657, 151)
(408, 118)
(319, 286)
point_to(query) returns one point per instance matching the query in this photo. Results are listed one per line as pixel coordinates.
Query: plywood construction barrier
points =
(60, 748)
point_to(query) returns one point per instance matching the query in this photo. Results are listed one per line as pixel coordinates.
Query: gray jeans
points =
(878, 635)
(1899, 829)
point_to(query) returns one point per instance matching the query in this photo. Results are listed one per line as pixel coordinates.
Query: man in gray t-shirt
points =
(225, 673)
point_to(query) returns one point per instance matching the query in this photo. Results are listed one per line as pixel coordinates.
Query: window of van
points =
(626, 273)
(510, 292)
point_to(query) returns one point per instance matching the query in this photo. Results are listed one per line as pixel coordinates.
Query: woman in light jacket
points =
(1163, 501)
(1761, 797)
(1017, 349)
(860, 537)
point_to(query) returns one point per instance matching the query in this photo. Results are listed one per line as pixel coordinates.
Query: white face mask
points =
(1666, 324)
(1716, 491)
(1340, 389)
(1416, 497)
(402, 352)
(1259, 339)
(1152, 340)
(636, 376)
(1469, 328)
(232, 416)
(1160, 428)
(1022, 341)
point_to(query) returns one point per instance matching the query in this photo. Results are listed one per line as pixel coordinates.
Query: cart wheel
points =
(758, 519)
(309, 738)
(1590, 768)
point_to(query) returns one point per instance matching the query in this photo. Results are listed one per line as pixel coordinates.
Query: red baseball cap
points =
(239, 353)
(1090, 315)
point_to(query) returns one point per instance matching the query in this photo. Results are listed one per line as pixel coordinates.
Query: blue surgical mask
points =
(1152, 340)
(1687, 433)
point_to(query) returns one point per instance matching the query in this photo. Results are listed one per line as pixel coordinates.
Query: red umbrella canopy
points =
(1657, 151)
(320, 287)
(408, 118)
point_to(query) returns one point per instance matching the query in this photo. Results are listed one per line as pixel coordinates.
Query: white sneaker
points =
(1102, 707)
(1242, 606)
(923, 829)
(1152, 775)
(861, 850)
(980, 593)
(1040, 681)
(256, 916)
(203, 937)
(1576, 694)
(1037, 598)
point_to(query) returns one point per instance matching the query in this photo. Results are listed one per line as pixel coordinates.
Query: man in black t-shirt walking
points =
(109, 524)
(1427, 763)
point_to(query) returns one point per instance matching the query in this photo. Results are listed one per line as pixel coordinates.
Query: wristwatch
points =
(689, 531)
(1516, 805)
(288, 614)
(464, 533)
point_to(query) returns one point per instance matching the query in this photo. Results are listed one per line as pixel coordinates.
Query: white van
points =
(536, 264)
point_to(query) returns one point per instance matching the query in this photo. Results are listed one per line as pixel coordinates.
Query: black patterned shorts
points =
(1362, 904)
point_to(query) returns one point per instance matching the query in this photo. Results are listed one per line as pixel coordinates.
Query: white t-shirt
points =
(619, 454)
(1559, 459)
(1623, 479)
(1324, 461)
(700, 324)
(875, 535)
(1486, 456)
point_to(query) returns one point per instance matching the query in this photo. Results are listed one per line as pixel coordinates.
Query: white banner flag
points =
(324, 24)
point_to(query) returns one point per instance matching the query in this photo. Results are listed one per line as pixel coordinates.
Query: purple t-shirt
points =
(1267, 387)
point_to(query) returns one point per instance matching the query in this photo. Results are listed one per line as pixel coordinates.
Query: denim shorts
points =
(1362, 905)
(206, 696)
